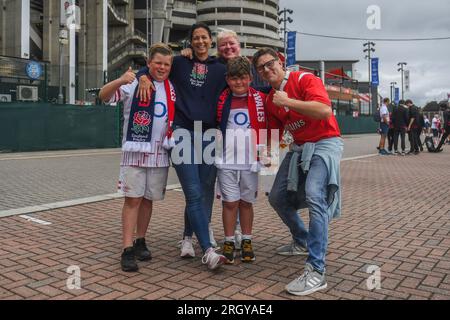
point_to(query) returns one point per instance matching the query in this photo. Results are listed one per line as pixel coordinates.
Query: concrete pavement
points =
(45, 178)
(395, 221)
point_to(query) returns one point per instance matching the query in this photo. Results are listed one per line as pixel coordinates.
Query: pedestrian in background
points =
(434, 128)
(384, 126)
(413, 127)
(427, 125)
(421, 125)
(400, 119)
(444, 106)
(390, 135)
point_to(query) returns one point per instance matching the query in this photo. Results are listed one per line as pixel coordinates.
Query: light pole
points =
(62, 41)
(369, 50)
(392, 90)
(149, 6)
(402, 64)
(285, 19)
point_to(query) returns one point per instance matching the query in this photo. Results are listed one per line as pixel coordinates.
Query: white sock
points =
(246, 237)
(231, 239)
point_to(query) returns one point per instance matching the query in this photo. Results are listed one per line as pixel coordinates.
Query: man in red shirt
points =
(299, 103)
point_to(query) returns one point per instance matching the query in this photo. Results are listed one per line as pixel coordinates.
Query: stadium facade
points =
(95, 41)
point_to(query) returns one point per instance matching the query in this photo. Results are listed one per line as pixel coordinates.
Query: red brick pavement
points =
(395, 215)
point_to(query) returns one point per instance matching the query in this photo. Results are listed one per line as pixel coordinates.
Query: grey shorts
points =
(238, 185)
(137, 182)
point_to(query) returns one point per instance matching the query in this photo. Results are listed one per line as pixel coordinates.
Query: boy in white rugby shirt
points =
(240, 114)
(145, 158)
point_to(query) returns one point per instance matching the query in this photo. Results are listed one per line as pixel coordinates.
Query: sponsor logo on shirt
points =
(160, 110)
(241, 119)
(295, 125)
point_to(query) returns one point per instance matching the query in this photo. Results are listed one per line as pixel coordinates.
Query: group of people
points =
(170, 109)
(406, 118)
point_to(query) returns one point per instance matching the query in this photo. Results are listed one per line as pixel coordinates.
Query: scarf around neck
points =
(141, 117)
(255, 106)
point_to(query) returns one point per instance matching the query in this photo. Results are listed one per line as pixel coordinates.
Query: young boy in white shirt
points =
(241, 116)
(145, 158)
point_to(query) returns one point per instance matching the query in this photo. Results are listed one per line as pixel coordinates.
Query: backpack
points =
(430, 144)
(376, 116)
(421, 120)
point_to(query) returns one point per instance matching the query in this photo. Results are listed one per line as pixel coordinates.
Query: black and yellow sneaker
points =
(247, 254)
(228, 251)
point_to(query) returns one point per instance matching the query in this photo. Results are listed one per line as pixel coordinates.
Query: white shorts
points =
(137, 182)
(238, 185)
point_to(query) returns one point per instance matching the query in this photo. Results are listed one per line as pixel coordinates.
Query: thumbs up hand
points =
(128, 77)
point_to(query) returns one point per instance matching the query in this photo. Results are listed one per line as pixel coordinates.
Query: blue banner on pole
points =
(375, 79)
(397, 95)
(290, 48)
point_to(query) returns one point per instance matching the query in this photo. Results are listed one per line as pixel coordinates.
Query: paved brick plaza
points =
(396, 214)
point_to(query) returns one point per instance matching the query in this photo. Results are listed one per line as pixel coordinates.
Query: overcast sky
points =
(428, 61)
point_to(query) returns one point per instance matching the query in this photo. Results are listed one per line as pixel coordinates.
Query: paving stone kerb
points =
(395, 216)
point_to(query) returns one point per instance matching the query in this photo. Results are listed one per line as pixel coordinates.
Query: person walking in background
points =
(400, 119)
(439, 126)
(413, 127)
(434, 128)
(390, 134)
(427, 125)
(384, 126)
(444, 106)
(421, 125)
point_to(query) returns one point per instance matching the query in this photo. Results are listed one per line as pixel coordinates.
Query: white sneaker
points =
(237, 239)
(211, 238)
(212, 259)
(311, 281)
(187, 249)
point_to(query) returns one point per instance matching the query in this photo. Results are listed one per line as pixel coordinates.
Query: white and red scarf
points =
(140, 123)
(255, 106)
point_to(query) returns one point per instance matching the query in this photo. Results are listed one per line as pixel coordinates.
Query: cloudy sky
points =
(428, 61)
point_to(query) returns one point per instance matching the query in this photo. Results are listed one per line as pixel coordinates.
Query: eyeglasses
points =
(268, 64)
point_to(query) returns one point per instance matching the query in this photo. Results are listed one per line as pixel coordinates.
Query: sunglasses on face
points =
(268, 64)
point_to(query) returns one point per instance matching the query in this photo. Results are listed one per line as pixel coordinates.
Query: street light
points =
(392, 89)
(402, 64)
(149, 6)
(285, 19)
(62, 41)
(369, 50)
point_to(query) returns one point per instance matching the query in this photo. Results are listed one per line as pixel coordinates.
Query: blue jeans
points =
(197, 182)
(316, 238)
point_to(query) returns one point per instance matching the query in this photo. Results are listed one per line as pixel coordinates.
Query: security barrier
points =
(358, 125)
(38, 127)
